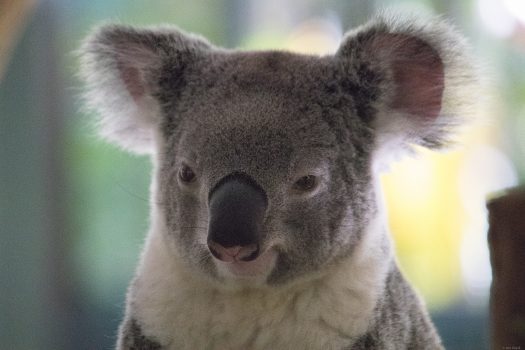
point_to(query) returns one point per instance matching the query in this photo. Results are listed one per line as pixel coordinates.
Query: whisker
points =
(122, 187)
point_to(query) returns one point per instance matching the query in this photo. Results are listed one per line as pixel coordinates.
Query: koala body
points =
(267, 228)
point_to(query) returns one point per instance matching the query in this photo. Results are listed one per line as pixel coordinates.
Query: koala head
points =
(265, 161)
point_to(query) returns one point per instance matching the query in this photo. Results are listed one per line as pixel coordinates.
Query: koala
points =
(267, 224)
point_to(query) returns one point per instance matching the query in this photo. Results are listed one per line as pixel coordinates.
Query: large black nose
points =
(237, 206)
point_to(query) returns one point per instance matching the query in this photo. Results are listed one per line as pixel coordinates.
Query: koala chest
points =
(315, 318)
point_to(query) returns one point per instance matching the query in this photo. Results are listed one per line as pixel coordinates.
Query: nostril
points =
(222, 253)
(236, 253)
(248, 253)
(232, 251)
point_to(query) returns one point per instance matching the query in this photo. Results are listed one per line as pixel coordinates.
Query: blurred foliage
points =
(109, 194)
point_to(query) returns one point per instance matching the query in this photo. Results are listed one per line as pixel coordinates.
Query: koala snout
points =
(237, 206)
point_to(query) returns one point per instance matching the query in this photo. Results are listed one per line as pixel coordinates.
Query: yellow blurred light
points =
(485, 170)
(426, 219)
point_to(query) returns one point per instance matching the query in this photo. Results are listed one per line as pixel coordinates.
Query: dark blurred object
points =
(507, 253)
(13, 15)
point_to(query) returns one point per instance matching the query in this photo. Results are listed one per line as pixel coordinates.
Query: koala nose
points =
(237, 206)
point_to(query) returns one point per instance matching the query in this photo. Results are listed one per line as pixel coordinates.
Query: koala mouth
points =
(256, 268)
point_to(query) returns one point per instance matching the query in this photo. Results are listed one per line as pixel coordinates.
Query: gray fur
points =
(398, 320)
(276, 116)
(133, 339)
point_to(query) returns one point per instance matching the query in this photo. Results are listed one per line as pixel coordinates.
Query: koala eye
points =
(305, 183)
(186, 174)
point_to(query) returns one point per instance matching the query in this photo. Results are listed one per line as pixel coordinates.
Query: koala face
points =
(265, 160)
(308, 161)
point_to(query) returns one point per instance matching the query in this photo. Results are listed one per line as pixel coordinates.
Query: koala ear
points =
(125, 69)
(410, 80)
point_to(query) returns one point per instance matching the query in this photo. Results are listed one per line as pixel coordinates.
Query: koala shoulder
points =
(400, 320)
(132, 338)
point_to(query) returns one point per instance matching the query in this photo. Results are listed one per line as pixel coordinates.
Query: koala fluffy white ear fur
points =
(124, 68)
(421, 80)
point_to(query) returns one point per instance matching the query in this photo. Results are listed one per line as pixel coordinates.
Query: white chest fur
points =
(327, 313)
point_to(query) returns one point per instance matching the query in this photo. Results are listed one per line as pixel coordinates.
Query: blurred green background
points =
(74, 211)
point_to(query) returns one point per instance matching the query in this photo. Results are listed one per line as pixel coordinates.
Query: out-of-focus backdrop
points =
(74, 210)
